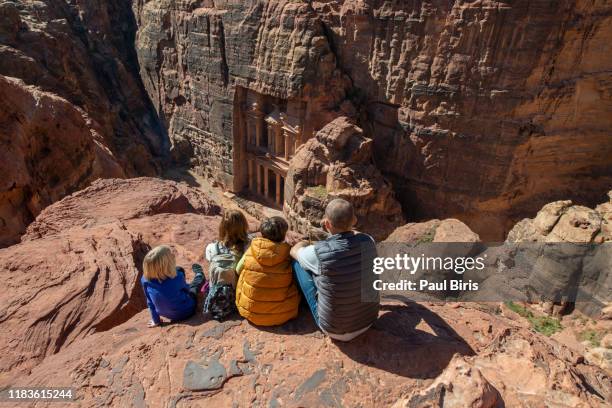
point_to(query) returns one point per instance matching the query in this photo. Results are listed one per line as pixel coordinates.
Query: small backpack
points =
(220, 302)
(221, 299)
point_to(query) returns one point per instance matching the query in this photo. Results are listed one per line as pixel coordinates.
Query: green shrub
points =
(592, 336)
(319, 192)
(542, 324)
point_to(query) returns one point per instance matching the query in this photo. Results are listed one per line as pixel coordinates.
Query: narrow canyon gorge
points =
(439, 120)
(479, 110)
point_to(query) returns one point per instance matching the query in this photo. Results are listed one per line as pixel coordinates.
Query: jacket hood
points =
(269, 253)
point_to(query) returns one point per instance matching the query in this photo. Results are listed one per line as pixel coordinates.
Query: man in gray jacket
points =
(335, 275)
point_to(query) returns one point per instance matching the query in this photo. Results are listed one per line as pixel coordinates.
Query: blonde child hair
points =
(159, 263)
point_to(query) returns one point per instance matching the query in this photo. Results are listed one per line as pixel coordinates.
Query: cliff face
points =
(80, 110)
(482, 110)
(197, 58)
(49, 148)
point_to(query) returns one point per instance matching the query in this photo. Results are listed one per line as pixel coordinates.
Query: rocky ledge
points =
(74, 313)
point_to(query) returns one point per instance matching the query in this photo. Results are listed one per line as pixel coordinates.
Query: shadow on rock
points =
(302, 325)
(408, 340)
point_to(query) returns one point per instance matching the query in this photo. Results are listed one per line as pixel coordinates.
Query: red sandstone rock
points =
(77, 270)
(107, 200)
(410, 348)
(79, 325)
(49, 149)
(338, 164)
(81, 111)
(460, 385)
(449, 230)
(472, 120)
(482, 111)
(562, 221)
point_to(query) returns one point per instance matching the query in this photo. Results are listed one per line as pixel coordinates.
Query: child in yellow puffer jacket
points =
(266, 293)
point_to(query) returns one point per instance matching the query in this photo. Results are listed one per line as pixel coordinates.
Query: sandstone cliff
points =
(480, 110)
(81, 111)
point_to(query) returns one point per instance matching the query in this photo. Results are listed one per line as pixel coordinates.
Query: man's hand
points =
(153, 324)
(296, 248)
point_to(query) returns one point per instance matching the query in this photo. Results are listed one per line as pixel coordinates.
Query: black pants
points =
(196, 285)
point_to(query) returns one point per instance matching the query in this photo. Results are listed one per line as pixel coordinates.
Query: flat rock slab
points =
(219, 329)
(312, 383)
(199, 378)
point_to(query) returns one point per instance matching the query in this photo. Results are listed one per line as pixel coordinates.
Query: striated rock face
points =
(89, 115)
(571, 266)
(77, 271)
(64, 287)
(49, 150)
(478, 110)
(337, 163)
(198, 59)
(482, 110)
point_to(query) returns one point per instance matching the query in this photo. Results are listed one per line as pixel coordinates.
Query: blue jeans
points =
(309, 290)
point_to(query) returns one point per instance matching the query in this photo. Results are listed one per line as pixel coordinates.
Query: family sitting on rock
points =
(257, 276)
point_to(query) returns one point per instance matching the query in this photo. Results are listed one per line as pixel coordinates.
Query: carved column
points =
(266, 181)
(278, 189)
(258, 118)
(257, 168)
(271, 135)
(280, 144)
(288, 142)
(251, 178)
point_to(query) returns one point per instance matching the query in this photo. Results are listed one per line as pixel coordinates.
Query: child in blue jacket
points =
(165, 288)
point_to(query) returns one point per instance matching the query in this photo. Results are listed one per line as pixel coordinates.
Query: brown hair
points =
(159, 263)
(274, 229)
(233, 230)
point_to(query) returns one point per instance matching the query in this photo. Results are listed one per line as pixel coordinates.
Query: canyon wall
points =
(73, 107)
(481, 110)
(195, 56)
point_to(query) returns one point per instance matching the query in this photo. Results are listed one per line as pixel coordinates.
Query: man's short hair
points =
(340, 214)
(274, 229)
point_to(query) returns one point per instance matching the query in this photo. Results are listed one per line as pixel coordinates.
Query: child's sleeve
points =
(183, 280)
(210, 251)
(151, 306)
(240, 264)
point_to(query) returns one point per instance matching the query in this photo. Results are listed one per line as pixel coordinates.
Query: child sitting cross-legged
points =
(266, 293)
(165, 288)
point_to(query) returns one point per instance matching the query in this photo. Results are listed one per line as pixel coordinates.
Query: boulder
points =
(460, 385)
(567, 262)
(449, 230)
(107, 200)
(562, 221)
(337, 163)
